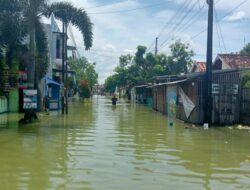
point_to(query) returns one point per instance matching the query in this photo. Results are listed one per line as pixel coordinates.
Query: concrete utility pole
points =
(63, 68)
(156, 46)
(208, 102)
(66, 78)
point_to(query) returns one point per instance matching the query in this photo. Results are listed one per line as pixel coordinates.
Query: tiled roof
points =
(235, 61)
(199, 66)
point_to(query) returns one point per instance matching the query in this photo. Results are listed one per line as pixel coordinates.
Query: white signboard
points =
(29, 99)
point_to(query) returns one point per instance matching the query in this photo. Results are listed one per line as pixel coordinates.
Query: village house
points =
(50, 85)
(187, 92)
(198, 66)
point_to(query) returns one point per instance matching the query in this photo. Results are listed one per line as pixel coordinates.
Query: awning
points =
(141, 86)
(50, 81)
(170, 83)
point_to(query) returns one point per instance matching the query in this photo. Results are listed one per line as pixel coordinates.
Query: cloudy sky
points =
(121, 25)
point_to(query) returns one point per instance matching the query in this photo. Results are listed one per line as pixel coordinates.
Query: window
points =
(58, 48)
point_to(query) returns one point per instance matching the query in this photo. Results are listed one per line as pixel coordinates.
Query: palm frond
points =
(67, 13)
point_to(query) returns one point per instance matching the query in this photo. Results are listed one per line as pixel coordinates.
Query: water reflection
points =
(100, 146)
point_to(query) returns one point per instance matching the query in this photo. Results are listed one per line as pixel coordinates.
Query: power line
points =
(189, 23)
(129, 10)
(102, 5)
(185, 5)
(218, 35)
(102, 55)
(230, 12)
(219, 31)
(184, 16)
(177, 25)
(73, 39)
(174, 16)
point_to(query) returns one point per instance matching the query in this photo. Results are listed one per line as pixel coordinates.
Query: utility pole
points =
(208, 102)
(63, 67)
(156, 46)
(66, 78)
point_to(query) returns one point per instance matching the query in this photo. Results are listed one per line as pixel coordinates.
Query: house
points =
(52, 82)
(142, 94)
(198, 66)
(159, 91)
(231, 61)
(183, 98)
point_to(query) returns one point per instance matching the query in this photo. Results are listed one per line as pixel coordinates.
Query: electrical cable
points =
(189, 23)
(219, 30)
(185, 5)
(101, 55)
(129, 10)
(178, 24)
(230, 12)
(102, 5)
(73, 39)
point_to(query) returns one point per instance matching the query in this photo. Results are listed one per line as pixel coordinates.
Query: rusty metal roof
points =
(199, 66)
(235, 61)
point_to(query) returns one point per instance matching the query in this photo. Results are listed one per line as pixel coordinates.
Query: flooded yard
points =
(128, 146)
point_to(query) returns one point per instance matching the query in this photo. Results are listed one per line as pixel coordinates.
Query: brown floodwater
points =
(126, 147)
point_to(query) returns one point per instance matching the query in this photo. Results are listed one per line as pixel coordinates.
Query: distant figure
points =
(114, 100)
(46, 104)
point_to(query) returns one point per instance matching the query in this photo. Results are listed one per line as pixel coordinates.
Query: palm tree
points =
(33, 10)
(63, 11)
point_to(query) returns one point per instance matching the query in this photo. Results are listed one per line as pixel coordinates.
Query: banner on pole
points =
(172, 99)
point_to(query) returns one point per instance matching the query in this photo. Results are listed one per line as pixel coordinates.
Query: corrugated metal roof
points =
(141, 86)
(235, 61)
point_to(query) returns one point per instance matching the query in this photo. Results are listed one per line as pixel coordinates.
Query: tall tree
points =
(245, 50)
(66, 12)
(143, 67)
(180, 59)
(12, 30)
(84, 70)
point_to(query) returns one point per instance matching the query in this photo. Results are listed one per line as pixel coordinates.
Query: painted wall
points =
(14, 100)
(3, 105)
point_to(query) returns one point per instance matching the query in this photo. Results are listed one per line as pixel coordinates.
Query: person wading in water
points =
(114, 100)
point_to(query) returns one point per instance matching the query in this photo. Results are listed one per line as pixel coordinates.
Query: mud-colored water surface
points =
(127, 147)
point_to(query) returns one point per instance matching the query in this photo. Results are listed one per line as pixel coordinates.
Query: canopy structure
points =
(50, 81)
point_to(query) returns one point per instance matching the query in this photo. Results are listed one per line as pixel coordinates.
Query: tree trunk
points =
(30, 114)
(31, 68)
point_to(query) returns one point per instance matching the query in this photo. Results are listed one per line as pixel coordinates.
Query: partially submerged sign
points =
(29, 99)
(172, 99)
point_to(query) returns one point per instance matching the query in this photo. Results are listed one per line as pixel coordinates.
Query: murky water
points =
(98, 146)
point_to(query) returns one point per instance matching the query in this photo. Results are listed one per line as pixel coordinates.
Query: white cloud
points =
(109, 48)
(236, 16)
(116, 34)
(129, 51)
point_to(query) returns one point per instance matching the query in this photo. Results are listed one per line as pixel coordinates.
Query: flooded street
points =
(99, 146)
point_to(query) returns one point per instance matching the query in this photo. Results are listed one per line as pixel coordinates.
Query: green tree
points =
(66, 12)
(22, 18)
(245, 50)
(12, 30)
(84, 70)
(110, 84)
(180, 59)
(143, 67)
(245, 79)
